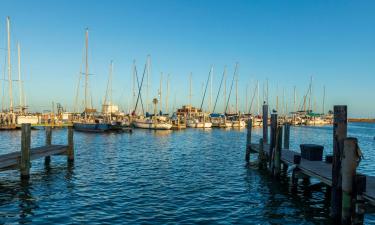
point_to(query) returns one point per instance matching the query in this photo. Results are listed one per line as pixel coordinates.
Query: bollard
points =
(339, 134)
(248, 140)
(277, 152)
(47, 159)
(286, 135)
(25, 151)
(265, 123)
(349, 163)
(70, 145)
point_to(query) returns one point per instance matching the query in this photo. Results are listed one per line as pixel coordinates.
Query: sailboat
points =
(155, 121)
(201, 121)
(218, 119)
(234, 119)
(8, 117)
(89, 123)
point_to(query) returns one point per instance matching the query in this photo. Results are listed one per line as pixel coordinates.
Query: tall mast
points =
(190, 94)
(236, 94)
(246, 96)
(160, 92)
(148, 81)
(310, 90)
(212, 74)
(258, 100)
(225, 86)
(294, 99)
(86, 70)
(19, 77)
(324, 98)
(166, 99)
(9, 68)
(134, 80)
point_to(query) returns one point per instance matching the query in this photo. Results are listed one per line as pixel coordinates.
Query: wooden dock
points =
(348, 189)
(317, 169)
(21, 160)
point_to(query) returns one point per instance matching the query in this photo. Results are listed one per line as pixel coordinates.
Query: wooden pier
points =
(348, 189)
(21, 160)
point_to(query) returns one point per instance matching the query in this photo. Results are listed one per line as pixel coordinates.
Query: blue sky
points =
(285, 42)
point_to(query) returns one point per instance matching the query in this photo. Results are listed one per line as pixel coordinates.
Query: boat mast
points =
(218, 92)
(190, 94)
(237, 95)
(246, 94)
(19, 77)
(160, 93)
(86, 70)
(324, 98)
(212, 74)
(231, 87)
(148, 80)
(225, 87)
(166, 99)
(9, 68)
(258, 101)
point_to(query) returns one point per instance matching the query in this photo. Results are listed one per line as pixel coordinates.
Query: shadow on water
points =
(21, 191)
(290, 203)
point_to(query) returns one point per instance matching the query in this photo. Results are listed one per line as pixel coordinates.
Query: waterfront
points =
(187, 176)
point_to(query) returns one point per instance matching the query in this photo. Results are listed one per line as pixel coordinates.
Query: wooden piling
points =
(286, 135)
(349, 163)
(265, 123)
(339, 135)
(47, 159)
(272, 137)
(262, 161)
(358, 190)
(248, 140)
(277, 152)
(70, 151)
(25, 151)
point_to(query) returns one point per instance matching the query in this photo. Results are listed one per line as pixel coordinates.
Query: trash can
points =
(312, 152)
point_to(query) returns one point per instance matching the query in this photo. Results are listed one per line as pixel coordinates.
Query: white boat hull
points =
(151, 125)
(27, 119)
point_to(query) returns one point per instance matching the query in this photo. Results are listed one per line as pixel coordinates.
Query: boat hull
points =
(92, 127)
(152, 126)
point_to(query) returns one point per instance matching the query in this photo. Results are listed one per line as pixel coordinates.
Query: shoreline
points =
(361, 120)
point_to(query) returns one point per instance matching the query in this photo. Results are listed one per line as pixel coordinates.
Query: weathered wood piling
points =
(349, 189)
(22, 159)
(248, 139)
(339, 135)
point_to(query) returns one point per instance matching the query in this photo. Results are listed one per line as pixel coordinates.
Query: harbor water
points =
(160, 177)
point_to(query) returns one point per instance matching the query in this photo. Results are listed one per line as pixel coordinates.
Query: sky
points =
(284, 42)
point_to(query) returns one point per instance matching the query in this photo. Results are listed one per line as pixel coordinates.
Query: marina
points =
(187, 112)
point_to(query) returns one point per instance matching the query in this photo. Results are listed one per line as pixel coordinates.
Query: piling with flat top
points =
(265, 123)
(286, 135)
(339, 135)
(349, 163)
(25, 151)
(248, 140)
(47, 159)
(273, 137)
(70, 145)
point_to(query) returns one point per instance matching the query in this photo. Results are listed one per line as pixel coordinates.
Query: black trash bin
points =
(312, 152)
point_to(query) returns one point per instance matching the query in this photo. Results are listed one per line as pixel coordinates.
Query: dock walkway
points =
(317, 169)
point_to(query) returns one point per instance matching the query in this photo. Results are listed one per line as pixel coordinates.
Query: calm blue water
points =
(191, 176)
